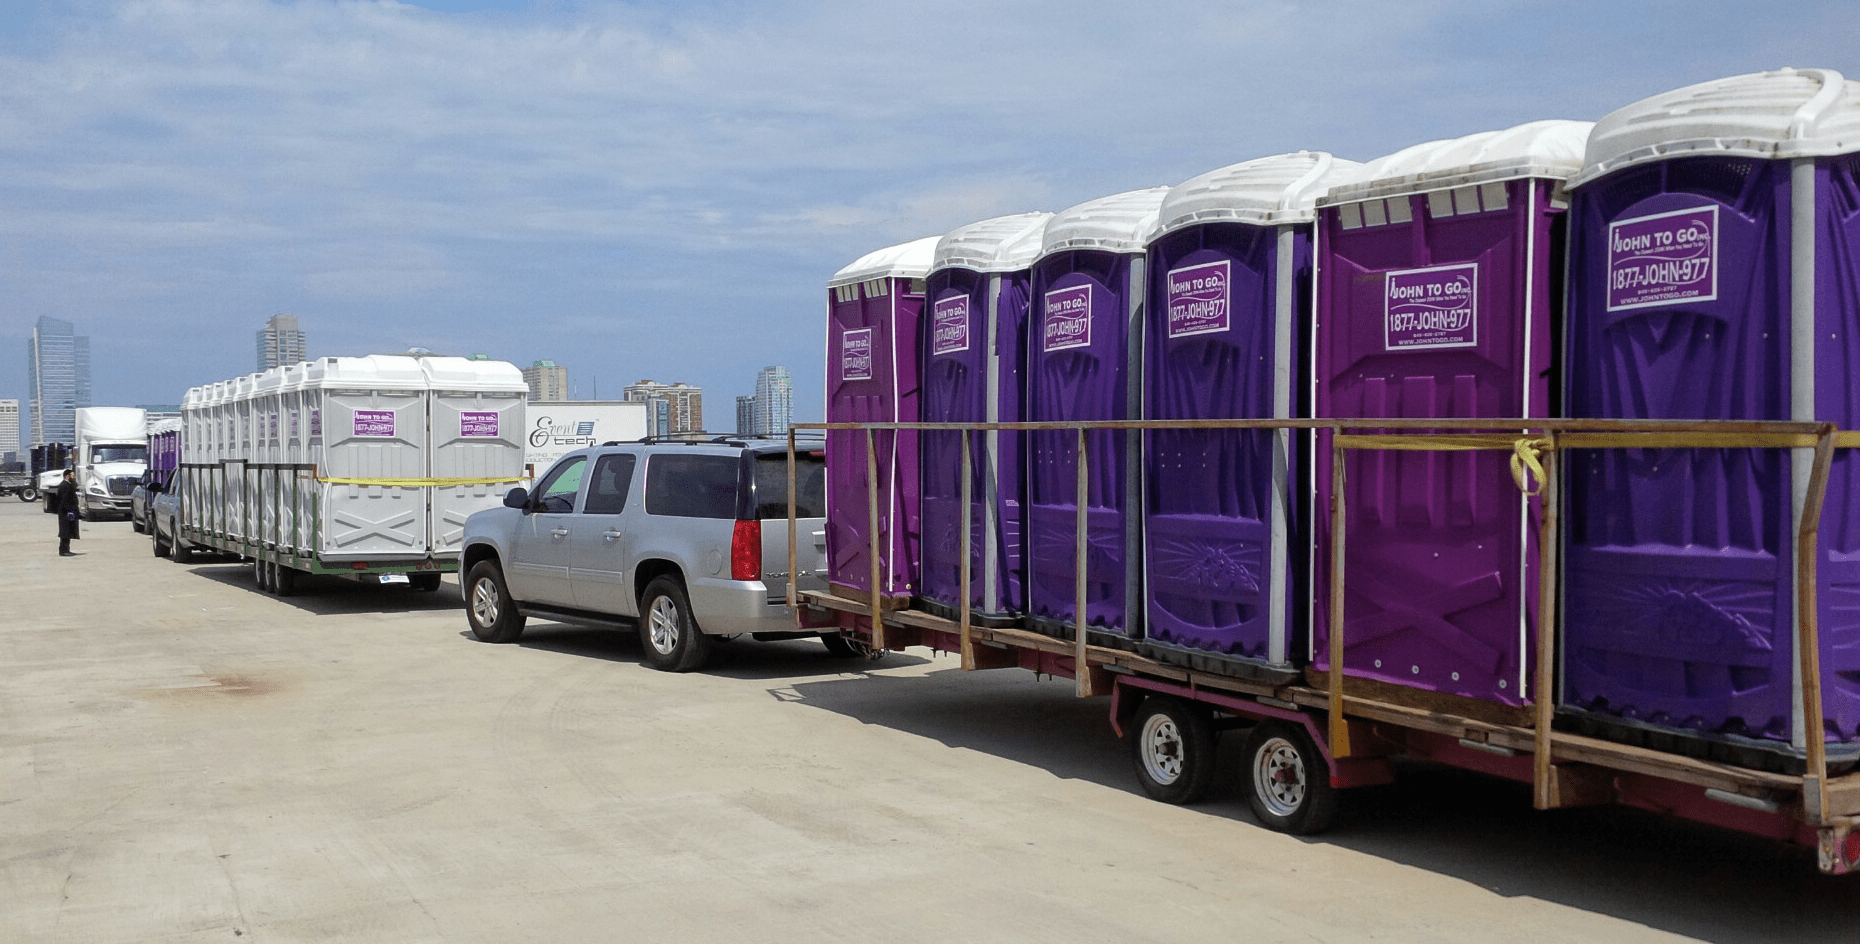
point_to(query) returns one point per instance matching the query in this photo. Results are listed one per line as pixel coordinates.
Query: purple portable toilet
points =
(973, 339)
(1087, 294)
(1229, 292)
(1436, 280)
(873, 307)
(1714, 254)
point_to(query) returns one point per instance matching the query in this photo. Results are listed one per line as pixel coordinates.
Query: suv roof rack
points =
(699, 437)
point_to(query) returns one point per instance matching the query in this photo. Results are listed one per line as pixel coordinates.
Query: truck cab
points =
(110, 454)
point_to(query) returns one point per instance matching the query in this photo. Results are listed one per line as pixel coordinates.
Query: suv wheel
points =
(488, 607)
(669, 637)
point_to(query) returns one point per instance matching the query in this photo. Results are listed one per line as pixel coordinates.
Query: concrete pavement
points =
(184, 759)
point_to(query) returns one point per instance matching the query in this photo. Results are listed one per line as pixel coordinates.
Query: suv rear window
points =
(772, 485)
(691, 486)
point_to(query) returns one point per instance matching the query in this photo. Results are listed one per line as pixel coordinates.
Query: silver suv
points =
(685, 541)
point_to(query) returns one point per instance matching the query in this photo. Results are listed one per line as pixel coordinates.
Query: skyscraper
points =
(684, 403)
(548, 381)
(746, 414)
(280, 342)
(58, 373)
(9, 431)
(774, 401)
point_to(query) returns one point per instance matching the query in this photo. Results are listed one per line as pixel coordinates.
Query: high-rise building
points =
(280, 342)
(58, 373)
(9, 432)
(548, 381)
(774, 401)
(684, 403)
(746, 414)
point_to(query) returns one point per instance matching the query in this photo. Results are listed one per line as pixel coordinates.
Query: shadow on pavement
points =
(1686, 878)
(335, 596)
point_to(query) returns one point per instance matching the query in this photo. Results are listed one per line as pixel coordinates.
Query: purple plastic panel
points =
(872, 377)
(1210, 354)
(1680, 563)
(1439, 316)
(957, 357)
(1077, 369)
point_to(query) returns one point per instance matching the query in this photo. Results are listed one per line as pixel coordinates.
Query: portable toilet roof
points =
(1776, 115)
(166, 425)
(463, 374)
(373, 372)
(1266, 191)
(1117, 223)
(1002, 244)
(904, 261)
(1551, 148)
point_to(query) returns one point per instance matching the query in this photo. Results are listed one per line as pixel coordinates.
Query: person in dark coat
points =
(65, 505)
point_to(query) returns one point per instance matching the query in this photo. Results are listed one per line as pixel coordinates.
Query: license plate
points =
(393, 578)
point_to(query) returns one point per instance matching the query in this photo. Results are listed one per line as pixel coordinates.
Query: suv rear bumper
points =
(736, 607)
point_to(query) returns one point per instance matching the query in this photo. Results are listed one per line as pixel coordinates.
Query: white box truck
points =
(111, 450)
(362, 467)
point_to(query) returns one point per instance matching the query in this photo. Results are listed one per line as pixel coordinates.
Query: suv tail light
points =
(746, 551)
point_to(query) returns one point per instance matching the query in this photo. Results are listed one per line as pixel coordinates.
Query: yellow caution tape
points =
(418, 483)
(1527, 464)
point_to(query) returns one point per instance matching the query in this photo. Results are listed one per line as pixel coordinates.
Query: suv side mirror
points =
(518, 497)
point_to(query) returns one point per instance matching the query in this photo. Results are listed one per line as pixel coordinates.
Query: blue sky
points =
(661, 190)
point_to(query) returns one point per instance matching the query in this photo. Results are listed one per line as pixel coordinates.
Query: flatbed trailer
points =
(1313, 735)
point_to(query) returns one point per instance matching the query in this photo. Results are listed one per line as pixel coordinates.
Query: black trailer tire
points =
(1173, 749)
(488, 607)
(261, 574)
(1287, 780)
(28, 493)
(669, 636)
(424, 583)
(284, 580)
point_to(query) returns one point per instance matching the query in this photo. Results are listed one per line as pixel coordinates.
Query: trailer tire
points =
(261, 574)
(669, 636)
(28, 493)
(842, 646)
(424, 583)
(1288, 780)
(488, 608)
(284, 580)
(1173, 749)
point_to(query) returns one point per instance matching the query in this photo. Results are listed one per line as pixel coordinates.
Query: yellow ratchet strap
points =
(418, 483)
(1527, 464)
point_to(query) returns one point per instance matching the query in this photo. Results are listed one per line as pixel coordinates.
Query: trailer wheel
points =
(1173, 750)
(669, 636)
(488, 608)
(1288, 781)
(261, 574)
(284, 580)
(28, 493)
(424, 583)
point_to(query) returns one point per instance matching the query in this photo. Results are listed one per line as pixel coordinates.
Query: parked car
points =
(683, 542)
(147, 484)
(164, 513)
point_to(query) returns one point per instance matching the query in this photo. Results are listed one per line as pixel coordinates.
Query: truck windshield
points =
(121, 453)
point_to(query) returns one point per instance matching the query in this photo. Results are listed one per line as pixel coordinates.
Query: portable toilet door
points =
(873, 307)
(267, 489)
(978, 296)
(297, 484)
(374, 504)
(1713, 261)
(1087, 295)
(1434, 293)
(475, 451)
(1229, 292)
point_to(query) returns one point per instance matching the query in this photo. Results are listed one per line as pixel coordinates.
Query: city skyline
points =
(58, 378)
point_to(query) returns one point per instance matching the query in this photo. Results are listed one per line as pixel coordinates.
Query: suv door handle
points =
(560, 532)
(611, 534)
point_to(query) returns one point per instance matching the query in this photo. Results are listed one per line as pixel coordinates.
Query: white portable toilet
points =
(475, 440)
(372, 413)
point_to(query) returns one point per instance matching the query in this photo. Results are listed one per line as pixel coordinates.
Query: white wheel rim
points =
(484, 603)
(662, 625)
(1162, 747)
(1279, 777)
